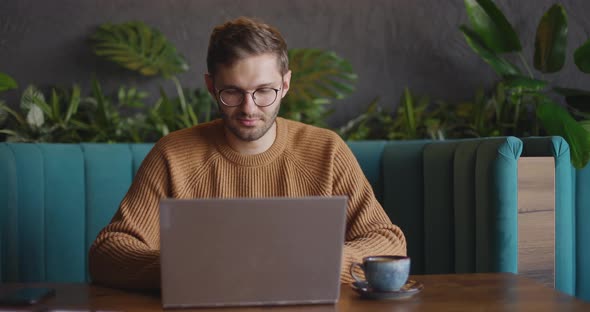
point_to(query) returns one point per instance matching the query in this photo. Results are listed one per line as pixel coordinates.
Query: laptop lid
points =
(251, 251)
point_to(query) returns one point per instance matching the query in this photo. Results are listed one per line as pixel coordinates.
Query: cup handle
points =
(352, 266)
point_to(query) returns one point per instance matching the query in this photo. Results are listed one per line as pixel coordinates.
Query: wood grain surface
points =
(455, 292)
(536, 218)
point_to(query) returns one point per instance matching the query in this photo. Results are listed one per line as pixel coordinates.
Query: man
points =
(249, 152)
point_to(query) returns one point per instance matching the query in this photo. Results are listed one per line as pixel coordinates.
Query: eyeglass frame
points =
(244, 92)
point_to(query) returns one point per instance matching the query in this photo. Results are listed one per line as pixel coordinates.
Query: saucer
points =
(409, 289)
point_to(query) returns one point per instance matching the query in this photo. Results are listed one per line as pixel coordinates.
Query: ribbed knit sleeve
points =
(126, 253)
(369, 229)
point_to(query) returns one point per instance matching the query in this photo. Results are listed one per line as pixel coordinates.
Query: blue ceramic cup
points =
(383, 273)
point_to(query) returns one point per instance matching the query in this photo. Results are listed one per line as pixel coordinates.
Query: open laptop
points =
(251, 251)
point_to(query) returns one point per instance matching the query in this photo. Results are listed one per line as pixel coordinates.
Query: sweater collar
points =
(275, 150)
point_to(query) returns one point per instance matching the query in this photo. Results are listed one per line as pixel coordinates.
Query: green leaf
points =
(105, 118)
(138, 47)
(524, 83)
(490, 24)
(500, 94)
(80, 124)
(557, 121)
(324, 90)
(74, 103)
(166, 106)
(194, 120)
(551, 40)
(121, 96)
(318, 76)
(342, 89)
(582, 57)
(4, 108)
(408, 104)
(56, 111)
(500, 65)
(7, 82)
(3, 113)
(585, 124)
(9, 132)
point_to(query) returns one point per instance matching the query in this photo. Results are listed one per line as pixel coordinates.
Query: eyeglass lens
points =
(261, 97)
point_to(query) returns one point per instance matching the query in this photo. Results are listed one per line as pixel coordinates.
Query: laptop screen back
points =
(251, 251)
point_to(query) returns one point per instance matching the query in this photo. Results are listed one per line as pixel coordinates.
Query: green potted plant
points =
(415, 118)
(143, 49)
(42, 120)
(493, 38)
(71, 116)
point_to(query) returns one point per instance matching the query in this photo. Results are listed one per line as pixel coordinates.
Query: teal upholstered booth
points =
(55, 198)
(565, 214)
(455, 200)
(572, 216)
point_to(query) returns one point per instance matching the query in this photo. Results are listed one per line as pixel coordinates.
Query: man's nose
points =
(248, 105)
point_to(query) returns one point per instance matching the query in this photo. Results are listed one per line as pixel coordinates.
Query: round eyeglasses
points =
(234, 97)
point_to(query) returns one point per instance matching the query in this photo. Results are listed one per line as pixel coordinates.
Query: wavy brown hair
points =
(244, 37)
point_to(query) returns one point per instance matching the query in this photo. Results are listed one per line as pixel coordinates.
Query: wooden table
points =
(456, 292)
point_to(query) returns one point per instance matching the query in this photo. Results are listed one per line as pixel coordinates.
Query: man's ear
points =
(210, 85)
(286, 83)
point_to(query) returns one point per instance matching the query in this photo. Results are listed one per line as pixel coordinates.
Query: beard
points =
(249, 134)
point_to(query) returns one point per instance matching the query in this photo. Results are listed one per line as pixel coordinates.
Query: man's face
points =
(247, 121)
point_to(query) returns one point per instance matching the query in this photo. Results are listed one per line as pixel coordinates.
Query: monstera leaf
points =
(551, 40)
(319, 74)
(317, 77)
(138, 47)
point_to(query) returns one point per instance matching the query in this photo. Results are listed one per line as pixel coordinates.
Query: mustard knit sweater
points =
(197, 163)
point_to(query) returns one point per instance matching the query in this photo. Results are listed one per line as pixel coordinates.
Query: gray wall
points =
(391, 44)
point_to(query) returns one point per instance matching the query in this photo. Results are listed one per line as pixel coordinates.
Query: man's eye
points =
(265, 91)
(232, 92)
